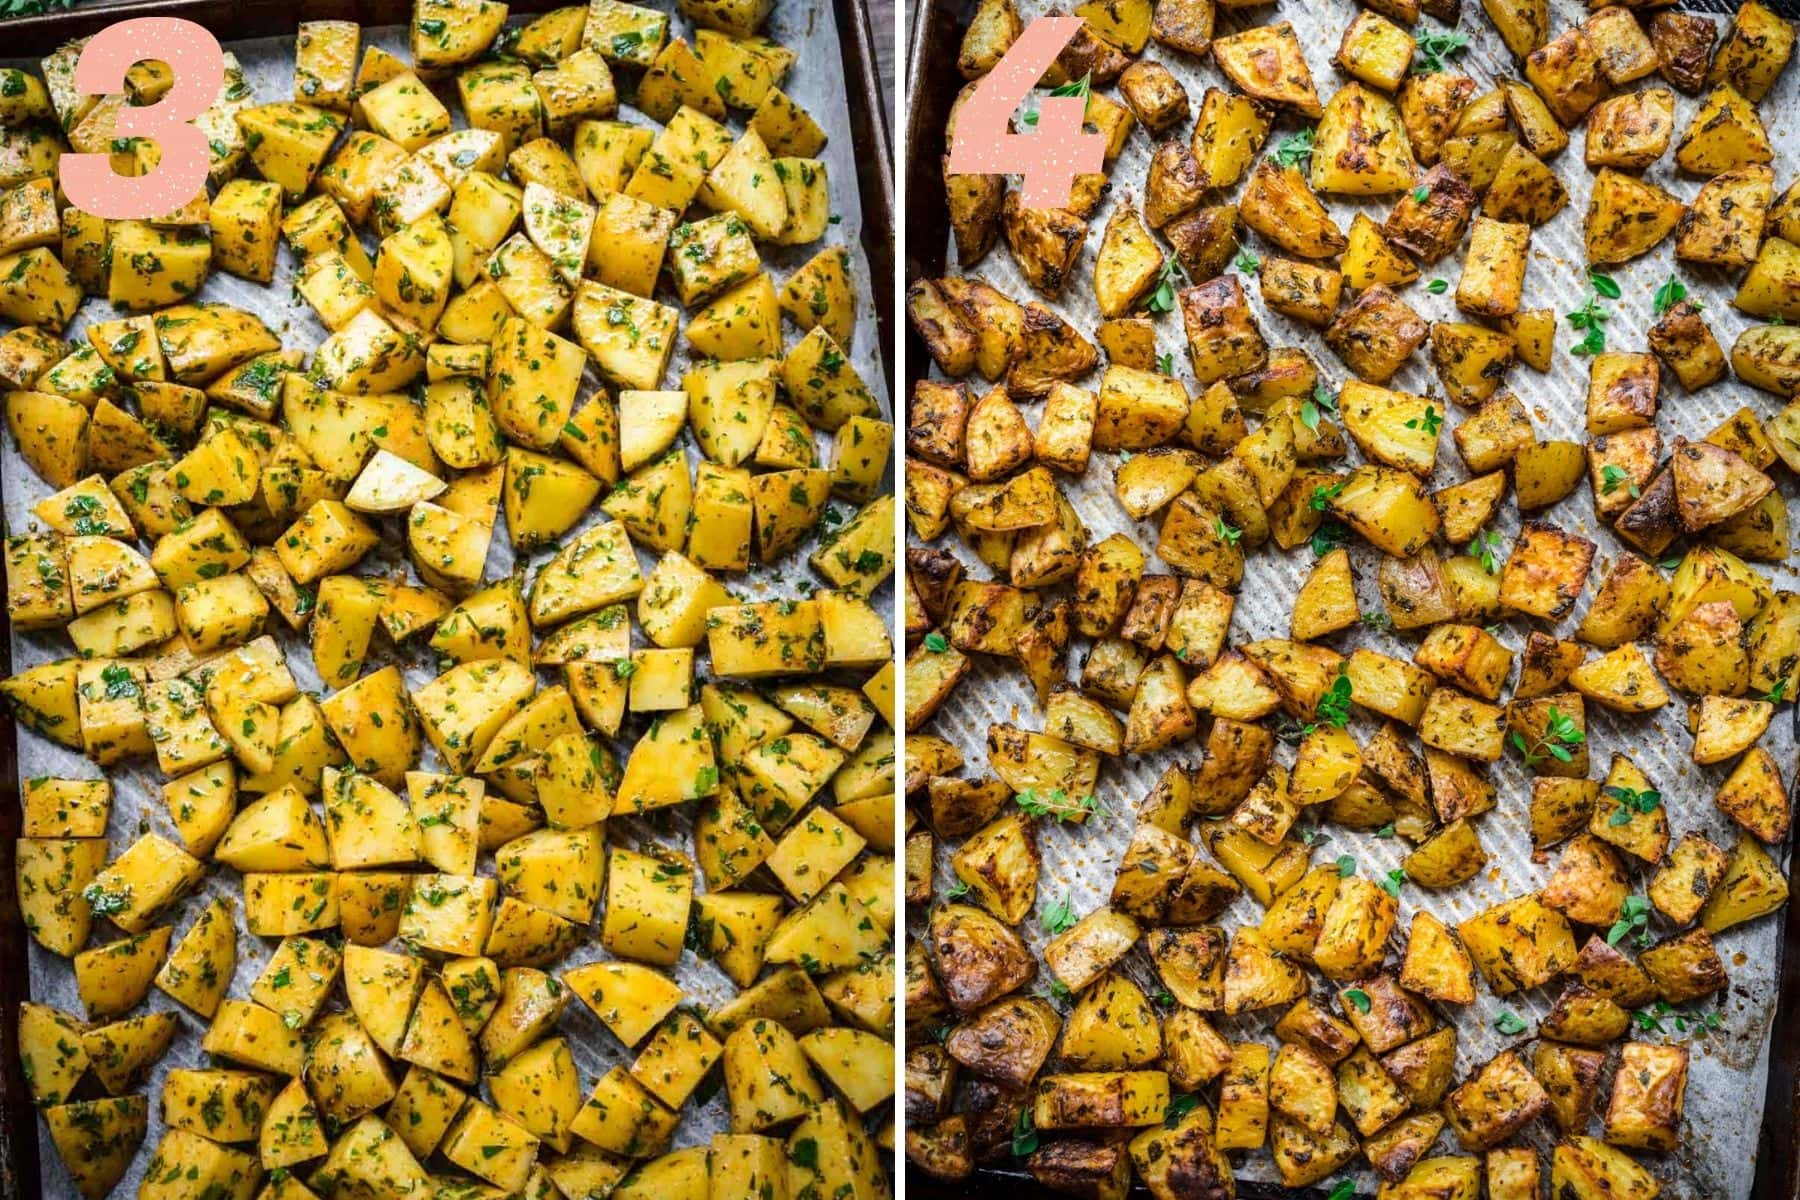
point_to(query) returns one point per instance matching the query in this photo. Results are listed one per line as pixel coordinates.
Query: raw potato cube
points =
(290, 141)
(151, 267)
(245, 219)
(325, 55)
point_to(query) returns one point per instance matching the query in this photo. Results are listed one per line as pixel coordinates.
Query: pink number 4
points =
(198, 64)
(1047, 161)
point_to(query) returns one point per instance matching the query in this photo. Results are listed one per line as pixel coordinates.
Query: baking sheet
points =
(1726, 1085)
(816, 83)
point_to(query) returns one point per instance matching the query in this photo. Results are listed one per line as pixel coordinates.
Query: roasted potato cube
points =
(1155, 96)
(1546, 572)
(1378, 52)
(1222, 336)
(1684, 342)
(1266, 63)
(1568, 73)
(992, 31)
(1493, 275)
(1757, 45)
(1376, 334)
(1626, 217)
(1279, 204)
(1300, 290)
(1724, 225)
(1361, 148)
(1496, 1102)
(1428, 221)
(1684, 43)
(1522, 24)
(1045, 242)
(1519, 943)
(1644, 1110)
(1630, 131)
(1726, 132)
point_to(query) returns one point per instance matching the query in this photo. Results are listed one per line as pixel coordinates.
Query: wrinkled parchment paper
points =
(1728, 1067)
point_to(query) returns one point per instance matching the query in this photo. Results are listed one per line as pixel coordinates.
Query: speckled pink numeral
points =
(1048, 161)
(199, 67)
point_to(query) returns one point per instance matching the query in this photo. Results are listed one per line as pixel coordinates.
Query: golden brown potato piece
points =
(1497, 1101)
(1045, 242)
(1185, 25)
(1644, 1111)
(1757, 46)
(1683, 44)
(1173, 187)
(1684, 342)
(1008, 1041)
(1724, 225)
(1570, 1076)
(1361, 148)
(1223, 338)
(974, 202)
(977, 958)
(1300, 290)
(1205, 240)
(1522, 24)
(1079, 1166)
(1155, 97)
(1279, 204)
(1376, 334)
(1567, 74)
(1630, 131)
(1266, 63)
(1712, 484)
(1626, 217)
(992, 31)
(1432, 227)
(1546, 571)
(1726, 132)
(951, 343)
(1429, 107)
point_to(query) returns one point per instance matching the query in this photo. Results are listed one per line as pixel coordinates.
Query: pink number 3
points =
(199, 68)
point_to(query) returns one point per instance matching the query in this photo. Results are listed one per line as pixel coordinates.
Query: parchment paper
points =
(1727, 1075)
(808, 27)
